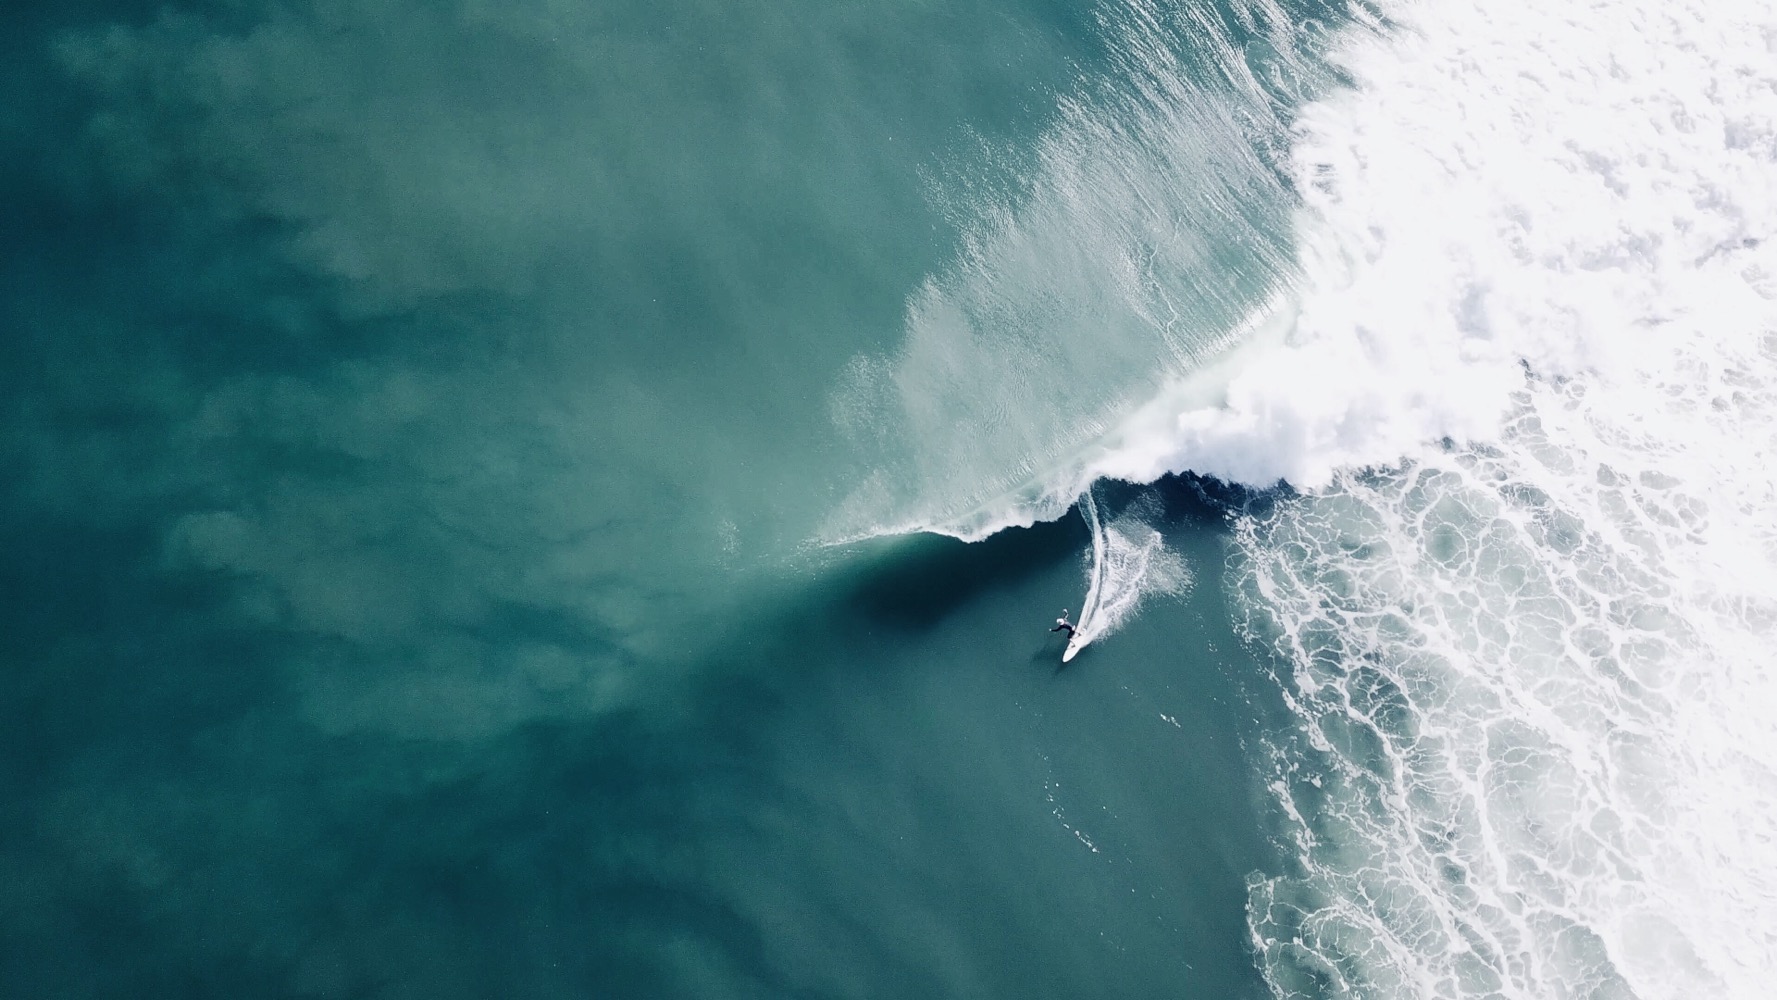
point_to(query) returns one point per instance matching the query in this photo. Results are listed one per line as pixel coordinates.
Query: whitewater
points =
(1516, 365)
(1523, 606)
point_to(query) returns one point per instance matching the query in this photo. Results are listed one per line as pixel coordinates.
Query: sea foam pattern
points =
(1530, 665)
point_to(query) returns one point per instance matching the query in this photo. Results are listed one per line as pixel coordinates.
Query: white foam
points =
(1530, 663)
(1501, 186)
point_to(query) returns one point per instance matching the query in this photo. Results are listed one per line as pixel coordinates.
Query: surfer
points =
(1063, 625)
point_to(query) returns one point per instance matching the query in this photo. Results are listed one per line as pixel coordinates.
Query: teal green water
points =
(419, 420)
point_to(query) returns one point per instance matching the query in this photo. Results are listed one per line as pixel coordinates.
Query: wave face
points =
(1534, 751)
(1134, 247)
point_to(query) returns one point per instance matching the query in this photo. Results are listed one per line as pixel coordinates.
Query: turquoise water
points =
(421, 424)
(545, 499)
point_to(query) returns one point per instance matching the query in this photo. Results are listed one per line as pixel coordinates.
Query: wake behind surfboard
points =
(1129, 560)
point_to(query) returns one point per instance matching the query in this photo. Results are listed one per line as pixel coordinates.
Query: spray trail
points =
(1129, 563)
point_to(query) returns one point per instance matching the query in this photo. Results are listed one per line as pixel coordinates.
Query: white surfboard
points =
(1082, 632)
(1074, 645)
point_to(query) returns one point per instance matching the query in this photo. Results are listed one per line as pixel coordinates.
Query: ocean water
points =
(548, 499)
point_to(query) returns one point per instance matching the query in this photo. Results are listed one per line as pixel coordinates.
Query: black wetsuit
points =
(1064, 627)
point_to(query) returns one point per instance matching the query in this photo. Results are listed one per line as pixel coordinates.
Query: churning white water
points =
(1531, 664)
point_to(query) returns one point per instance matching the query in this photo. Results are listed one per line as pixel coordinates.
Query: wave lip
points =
(1136, 449)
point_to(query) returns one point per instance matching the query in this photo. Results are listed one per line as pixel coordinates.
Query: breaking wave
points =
(1493, 289)
(1148, 237)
